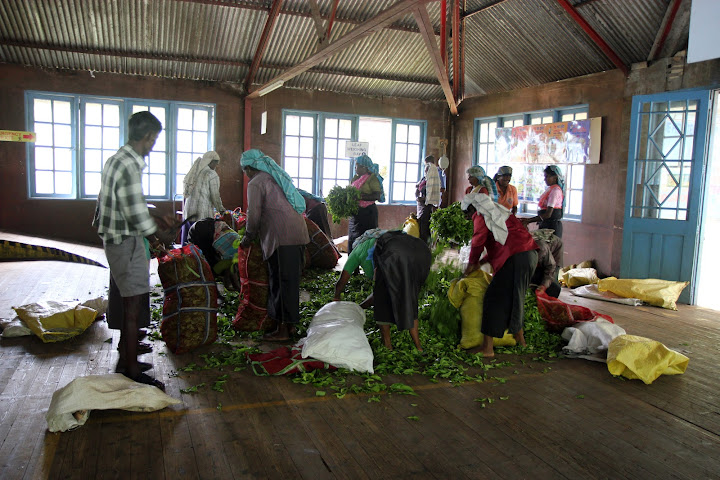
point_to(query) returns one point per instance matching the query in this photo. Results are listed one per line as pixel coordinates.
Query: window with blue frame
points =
(529, 179)
(314, 151)
(76, 134)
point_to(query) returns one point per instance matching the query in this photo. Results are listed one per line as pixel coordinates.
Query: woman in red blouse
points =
(512, 253)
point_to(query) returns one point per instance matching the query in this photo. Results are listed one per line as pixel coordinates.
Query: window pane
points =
(484, 132)
(331, 127)
(43, 158)
(401, 133)
(306, 146)
(61, 112)
(93, 114)
(184, 141)
(291, 166)
(93, 161)
(63, 136)
(201, 120)
(331, 148)
(160, 143)
(292, 146)
(184, 162)
(44, 182)
(305, 184)
(292, 125)
(343, 169)
(63, 183)
(43, 134)
(413, 154)
(93, 137)
(111, 137)
(306, 167)
(329, 168)
(411, 174)
(578, 177)
(157, 185)
(345, 129)
(200, 142)
(111, 115)
(92, 184)
(42, 110)
(156, 162)
(185, 119)
(409, 192)
(327, 185)
(63, 159)
(575, 203)
(307, 126)
(400, 152)
(414, 134)
(399, 172)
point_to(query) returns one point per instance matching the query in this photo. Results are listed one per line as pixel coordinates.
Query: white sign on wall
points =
(355, 149)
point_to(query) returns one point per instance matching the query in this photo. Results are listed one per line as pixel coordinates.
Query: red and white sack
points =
(191, 299)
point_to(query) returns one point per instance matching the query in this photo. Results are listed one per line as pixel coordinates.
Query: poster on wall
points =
(577, 141)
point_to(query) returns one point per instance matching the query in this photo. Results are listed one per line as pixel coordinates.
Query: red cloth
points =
(518, 240)
(558, 315)
(284, 361)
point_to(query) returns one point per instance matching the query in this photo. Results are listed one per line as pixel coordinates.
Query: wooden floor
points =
(568, 419)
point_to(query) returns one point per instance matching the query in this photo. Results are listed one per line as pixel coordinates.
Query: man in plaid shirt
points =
(124, 223)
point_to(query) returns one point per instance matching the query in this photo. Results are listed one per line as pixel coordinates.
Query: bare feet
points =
(520, 338)
(283, 333)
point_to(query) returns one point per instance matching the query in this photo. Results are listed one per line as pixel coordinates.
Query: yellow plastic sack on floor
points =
(412, 227)
(661, 293)
(56, 321)
(467, 294)
(563, 272)
(636, 357)
(577, 277)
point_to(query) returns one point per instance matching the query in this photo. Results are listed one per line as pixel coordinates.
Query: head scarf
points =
(478, 172)
(556, 171)
(307, 194)
(200, 164)
(258, 160)
(374, 168)
(494, 215)
(368, 234)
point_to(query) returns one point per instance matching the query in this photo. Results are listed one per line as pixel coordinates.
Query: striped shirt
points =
(121, 209)
(205, 197)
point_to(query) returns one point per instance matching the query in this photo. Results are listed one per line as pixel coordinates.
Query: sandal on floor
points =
(146, 379)
(144, 367)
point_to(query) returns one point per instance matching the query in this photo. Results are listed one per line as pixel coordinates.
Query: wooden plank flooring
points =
(536, 427)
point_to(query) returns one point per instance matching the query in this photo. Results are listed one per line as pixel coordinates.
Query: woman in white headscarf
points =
(201, 189)
(512, 254)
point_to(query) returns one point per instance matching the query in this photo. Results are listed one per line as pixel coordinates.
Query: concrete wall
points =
(70, 219)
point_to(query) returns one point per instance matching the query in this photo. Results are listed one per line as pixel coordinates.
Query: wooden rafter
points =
(262, 44)
(456, 49)
(594, 36)
(423, 20)
(664, 29)
(317, 20)
(376, 23)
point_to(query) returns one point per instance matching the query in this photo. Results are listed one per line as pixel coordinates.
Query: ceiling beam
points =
(609, 52)
(318, 21)
(482, 9)
(263, 43)
(376, 23)
(210, 61)
(221, 3)
(664, 29)
(423, 20)
(456, 48)
(331, 20)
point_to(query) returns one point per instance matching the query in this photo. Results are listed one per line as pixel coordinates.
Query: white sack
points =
(70, 406)
(590, 340)
(591, 291)
(336, 336)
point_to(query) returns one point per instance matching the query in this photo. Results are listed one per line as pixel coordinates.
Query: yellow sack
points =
(636, 357)
(467, 294)
(577, 277)
(661, 293)
(412, 227)
(56, 321)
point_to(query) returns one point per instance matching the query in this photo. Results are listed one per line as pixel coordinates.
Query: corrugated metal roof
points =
(508, 44)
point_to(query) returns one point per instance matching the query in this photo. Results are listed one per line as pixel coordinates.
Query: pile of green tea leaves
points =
(450, 225)
(441, 360)
(343, 202)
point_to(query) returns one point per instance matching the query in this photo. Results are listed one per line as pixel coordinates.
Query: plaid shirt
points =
(121, 209)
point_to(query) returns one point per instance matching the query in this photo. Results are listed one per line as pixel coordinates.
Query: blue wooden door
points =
(664, 187)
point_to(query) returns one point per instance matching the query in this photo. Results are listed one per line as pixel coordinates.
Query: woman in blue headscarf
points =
(481, 183)
(551, 203)
(367, 179)
(274, 217)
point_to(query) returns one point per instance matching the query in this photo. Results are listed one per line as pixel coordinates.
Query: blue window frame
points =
(529, 179)
(76, 134)
(314, 151)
